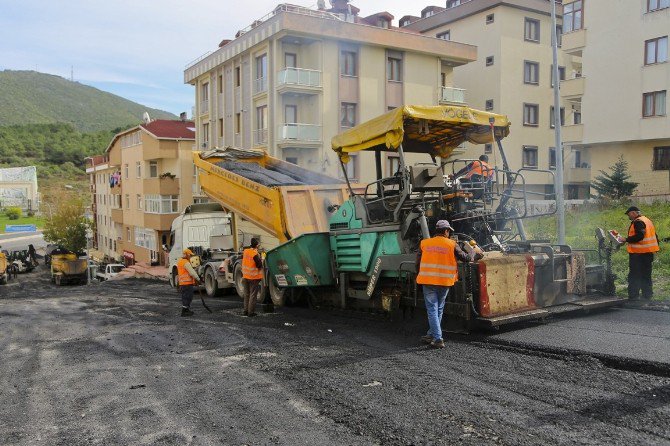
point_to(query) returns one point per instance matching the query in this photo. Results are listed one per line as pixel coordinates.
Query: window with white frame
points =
(125, 170)
(139, 201)
(446, 35)
(130, 139)
(656, 50)
(655, 5)
(153, 169)
(348, 115)
(348, 63)
(145, 238)
(572, 16)
(653, 103)
(161, 204)
(138, 169)
(127, 201)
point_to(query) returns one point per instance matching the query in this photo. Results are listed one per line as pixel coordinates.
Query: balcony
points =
(574, 42)
(260, 85)
(573, 133)
(451, 95)
(299, 80)
(299, 135)
(161, 186)
(578, 175)
(573, 89)
(159, 222)
(117, 216)
(261, 137)
(204, 107)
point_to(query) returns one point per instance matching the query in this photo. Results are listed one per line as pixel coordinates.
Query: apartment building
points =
(141, 183)
(513, 76)
(622, 93)
(292, 80)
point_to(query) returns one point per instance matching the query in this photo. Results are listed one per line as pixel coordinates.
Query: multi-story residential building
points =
(143, 181)
(292, 80)
(622, 93)
(512, 76)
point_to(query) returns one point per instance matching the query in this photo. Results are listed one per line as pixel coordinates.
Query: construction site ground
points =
(113, 363)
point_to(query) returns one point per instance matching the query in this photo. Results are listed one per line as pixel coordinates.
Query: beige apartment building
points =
(513, 76)
(623, 49)
(141, 183)
(291, 81)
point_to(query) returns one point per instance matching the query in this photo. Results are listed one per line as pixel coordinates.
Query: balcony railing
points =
(452, 95)
(204, 107)
(260, 85)
(300, 132)
(299, 76)
(260, 137)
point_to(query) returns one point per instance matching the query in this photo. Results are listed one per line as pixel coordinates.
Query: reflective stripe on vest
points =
(480, 168)
(649, 243)
(438, 262)
(184, 277)
(249, 269)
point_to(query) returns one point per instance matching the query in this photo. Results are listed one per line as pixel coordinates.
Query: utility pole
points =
(558, 187)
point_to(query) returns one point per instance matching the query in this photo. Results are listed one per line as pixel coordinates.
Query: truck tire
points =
(237, 278)
(3, 279)
(278, 295)
(211, 284)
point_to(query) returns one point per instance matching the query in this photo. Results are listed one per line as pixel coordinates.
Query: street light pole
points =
(558, 187)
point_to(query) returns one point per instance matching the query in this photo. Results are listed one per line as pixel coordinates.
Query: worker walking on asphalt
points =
(252, 273)
(642, 244)
(438, 270)
(188, 278)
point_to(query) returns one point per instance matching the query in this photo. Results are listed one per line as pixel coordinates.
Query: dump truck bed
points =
(281, 198)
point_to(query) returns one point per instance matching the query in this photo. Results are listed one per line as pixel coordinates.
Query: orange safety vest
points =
(184, 277)
(480, 168)
(249, 269)
(649, 243)
(438, 262)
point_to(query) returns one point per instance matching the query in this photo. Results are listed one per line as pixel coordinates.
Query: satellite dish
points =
(146, 118)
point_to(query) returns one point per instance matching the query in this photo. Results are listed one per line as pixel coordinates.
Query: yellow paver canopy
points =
(436, 130)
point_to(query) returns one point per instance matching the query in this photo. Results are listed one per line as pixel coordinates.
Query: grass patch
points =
(24, 220)
(580, 227)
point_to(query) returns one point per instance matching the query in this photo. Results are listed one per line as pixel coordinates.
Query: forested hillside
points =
(29, 97)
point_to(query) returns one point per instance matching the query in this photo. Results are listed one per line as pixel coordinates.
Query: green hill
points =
(29, 97)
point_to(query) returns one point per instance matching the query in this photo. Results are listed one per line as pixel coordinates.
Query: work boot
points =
(438, 343)
(246, 313)
(186, 312)
(252, 314)
(427, 339)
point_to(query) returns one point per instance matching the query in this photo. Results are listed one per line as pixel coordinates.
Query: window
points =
(205, 135)
(125, 170)
(552, 118)
(393, 164)
(445, 35)
(577, 117)
(577, 157)
(128, 237)
(454, 3)
(351, 169)
(220, 127)
(204, 92)
(531, 73)
(530, 114)
(130, 139)
(127, 201)
(653, 104)
(561, 74)
(488, 148)
(490, 18)
(262, 66)
(161, 204)
(489, 105)
(145, 238)
(443, 79)
(489, 61)
(529, 156)
(531, 30)
(290, 114)
(394, 69)
(382, 23)
(238, 77)
(656, 50)
(238, 123)
(219, 84)
(552, 157)
(662, 158)
(291, 60)
(347, 115)
(653, 5)
(153, 169)
(138, 169)
(348, 64)
(559, 35)
(292, 160)
(572, 16)
(262, 117)
(139, 201)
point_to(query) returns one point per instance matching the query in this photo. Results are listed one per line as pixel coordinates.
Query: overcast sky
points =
(135, 48)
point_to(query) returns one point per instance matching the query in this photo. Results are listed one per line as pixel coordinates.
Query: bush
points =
(13, 213)
(30, 213)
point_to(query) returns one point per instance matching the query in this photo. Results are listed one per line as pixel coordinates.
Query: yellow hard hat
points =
(188, 252)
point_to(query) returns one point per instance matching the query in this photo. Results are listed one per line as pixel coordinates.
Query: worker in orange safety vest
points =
(252, 274)
(438, 271)
(187, 278)
(642, 244)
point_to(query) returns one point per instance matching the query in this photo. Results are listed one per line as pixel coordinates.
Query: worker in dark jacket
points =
(642, 244)
(438, 271)
(252, 273)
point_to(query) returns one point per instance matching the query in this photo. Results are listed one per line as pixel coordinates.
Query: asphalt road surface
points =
(114, 364)
(10, 242)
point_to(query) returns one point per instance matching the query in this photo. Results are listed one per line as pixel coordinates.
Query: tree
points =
(66, 224)
(615, 184)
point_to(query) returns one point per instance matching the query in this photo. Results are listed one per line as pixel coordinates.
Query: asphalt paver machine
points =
(367, 259)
